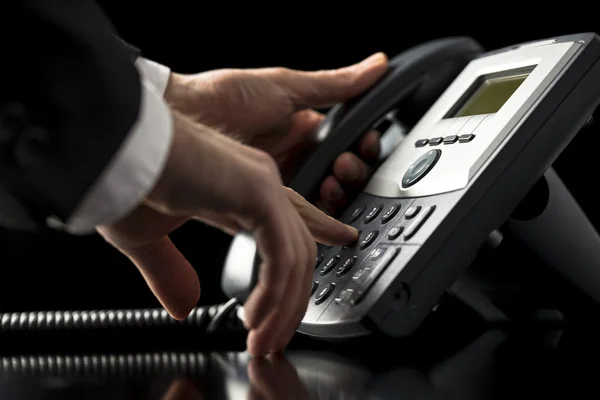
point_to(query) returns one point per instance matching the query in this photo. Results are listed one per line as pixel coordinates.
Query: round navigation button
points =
(420, 167)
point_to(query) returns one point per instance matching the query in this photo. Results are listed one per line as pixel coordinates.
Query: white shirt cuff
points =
(154, 73)
(133, 171)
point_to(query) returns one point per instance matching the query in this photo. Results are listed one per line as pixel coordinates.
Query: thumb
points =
(324, 88)
(169, 275)
(325, 229)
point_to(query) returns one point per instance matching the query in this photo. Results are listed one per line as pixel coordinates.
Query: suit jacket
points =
(69, 96)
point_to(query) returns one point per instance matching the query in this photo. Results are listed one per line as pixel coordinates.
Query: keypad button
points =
(324, 293)
(412, 212)
(370, 238)
(318, 261)
(365, 277)
(375, 254)
(373, 213)
(395, 232)
(330, 265)
(361, 275)
(346, 266)
(356, 213)
(450, 139)
(421, 142)
(412, 229)
(349, 245)
(390, 213)
(315, 285)
(435, 141)
(345, 297)
(466, 138)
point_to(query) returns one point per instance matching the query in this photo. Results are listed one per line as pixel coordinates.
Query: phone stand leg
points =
(551, 224)
(544, 266)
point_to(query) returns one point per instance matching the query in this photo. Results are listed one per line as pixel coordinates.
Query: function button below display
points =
(466, 138)
(435, 141)
(450, 139)
(421, 142)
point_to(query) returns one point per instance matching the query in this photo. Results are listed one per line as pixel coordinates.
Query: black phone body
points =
(456, 177)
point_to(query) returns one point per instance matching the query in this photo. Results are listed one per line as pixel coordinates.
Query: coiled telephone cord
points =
(121, 365)
(207, 318)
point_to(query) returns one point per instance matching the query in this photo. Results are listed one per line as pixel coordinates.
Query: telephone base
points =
(545, 267)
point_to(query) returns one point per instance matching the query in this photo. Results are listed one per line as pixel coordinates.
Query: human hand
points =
(272, 109)
(217, 180)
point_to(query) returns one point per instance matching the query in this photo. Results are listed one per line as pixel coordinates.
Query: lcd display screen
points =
(490, 95)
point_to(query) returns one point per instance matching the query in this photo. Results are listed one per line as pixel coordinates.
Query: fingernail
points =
(375, 59)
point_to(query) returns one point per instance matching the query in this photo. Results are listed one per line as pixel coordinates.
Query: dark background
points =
(55, 271)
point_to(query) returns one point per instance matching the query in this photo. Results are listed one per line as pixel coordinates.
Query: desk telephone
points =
(489, 126)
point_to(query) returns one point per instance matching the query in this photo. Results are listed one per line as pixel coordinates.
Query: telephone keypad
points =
(390, 213)
(373, 213)
(324, 293)
(382, 224)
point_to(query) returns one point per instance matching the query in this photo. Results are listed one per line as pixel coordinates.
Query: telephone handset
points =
(499, 123)
(415, 79)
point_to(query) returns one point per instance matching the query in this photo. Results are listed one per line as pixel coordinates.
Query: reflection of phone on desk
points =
(500, 121)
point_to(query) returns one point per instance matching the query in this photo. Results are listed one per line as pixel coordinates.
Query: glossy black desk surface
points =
(490, 364)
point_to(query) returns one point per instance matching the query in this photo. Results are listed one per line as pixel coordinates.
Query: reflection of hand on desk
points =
(183, 389)
(274, 378)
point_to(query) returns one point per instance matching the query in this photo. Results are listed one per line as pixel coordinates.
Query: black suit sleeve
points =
(70, 95)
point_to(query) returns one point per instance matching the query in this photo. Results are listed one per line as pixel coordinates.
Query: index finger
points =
(325, 229)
